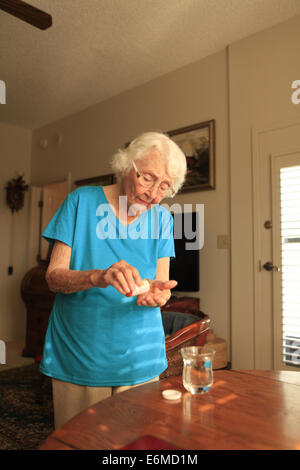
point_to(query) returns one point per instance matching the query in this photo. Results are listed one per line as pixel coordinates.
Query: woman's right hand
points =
(121, 275)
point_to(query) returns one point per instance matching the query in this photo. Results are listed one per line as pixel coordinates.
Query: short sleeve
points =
(61, 226)
(166, 241)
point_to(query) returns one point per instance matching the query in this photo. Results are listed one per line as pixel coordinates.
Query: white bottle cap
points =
(171, 394)
(141, 289)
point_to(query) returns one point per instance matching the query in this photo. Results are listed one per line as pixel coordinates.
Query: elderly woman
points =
(106, 240)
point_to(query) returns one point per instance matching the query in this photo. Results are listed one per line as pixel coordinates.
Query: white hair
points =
(140, 148)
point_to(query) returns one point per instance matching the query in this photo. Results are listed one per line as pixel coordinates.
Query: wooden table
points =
(243, 410)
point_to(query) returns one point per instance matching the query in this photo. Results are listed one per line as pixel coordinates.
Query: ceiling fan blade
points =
(27, 13)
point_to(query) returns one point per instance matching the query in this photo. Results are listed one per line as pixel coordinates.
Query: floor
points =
(14, 356)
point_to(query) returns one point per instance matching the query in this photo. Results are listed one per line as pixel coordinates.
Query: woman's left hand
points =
(159, 294)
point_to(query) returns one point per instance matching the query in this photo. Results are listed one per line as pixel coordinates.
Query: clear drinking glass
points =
(197, 375)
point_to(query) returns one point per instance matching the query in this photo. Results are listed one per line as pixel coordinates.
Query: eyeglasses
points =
(147, 180)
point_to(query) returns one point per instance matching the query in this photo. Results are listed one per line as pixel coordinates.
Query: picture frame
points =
(198, 144)
(103, 180)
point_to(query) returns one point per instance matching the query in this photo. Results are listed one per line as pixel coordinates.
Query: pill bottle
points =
(145, 287)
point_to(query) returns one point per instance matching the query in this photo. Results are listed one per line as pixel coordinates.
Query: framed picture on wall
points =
(198, 144)
(103, 180)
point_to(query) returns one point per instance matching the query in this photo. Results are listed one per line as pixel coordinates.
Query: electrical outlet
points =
(223, 242)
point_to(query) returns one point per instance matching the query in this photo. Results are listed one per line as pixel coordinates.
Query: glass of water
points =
(197, 375)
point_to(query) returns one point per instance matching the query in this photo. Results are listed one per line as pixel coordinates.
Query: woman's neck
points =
(113, 193)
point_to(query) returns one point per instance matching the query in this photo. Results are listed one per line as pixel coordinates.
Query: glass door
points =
(286, 250)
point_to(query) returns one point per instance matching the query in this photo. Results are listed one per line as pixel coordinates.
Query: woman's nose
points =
(153, 191)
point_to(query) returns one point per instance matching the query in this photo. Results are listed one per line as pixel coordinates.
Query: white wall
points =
(15, 156)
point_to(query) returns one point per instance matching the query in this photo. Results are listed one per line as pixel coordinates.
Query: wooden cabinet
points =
(38, 300)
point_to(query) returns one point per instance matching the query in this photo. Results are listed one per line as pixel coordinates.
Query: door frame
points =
(34, 241)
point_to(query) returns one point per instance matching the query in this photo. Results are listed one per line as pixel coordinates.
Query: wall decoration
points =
(15, 193)
(198, 144)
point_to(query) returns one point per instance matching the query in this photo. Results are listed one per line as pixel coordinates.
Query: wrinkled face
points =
(152, 167)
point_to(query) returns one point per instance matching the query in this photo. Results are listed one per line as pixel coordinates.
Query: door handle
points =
(269, 266)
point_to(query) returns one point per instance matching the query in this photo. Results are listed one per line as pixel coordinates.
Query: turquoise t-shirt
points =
(99, 337)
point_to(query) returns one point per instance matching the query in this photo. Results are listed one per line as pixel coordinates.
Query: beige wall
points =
(262, 69)
(192, 94)
(15, 155)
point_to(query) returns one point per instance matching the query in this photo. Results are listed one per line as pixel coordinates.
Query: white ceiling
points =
(99, 48)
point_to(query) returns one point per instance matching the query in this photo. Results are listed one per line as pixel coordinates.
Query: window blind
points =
(290, 262)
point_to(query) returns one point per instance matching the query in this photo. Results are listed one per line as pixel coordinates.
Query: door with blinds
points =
(286, 251)
(276, 248)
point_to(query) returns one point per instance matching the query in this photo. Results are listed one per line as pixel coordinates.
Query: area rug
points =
(26, 408)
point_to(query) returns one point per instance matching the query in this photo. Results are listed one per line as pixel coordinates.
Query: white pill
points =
(171, 394)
